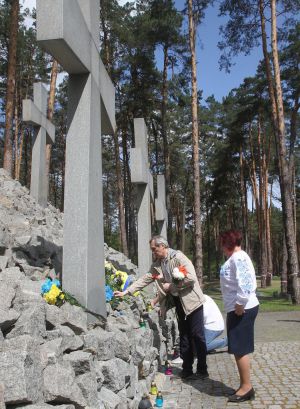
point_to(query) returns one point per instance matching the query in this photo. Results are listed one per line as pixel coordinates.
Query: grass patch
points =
(269, 297)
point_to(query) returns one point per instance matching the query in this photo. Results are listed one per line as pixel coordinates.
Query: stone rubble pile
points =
(50, 356)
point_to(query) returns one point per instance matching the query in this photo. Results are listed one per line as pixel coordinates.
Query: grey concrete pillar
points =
(141, 176)
(35, 113)
(161, 215)
(68, 29)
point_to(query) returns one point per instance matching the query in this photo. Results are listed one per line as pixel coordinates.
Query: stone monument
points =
(161, 215)
(35, 113)
(141, 176)
(69, 31)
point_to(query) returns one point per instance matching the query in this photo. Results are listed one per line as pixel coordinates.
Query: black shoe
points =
(212, 351)
(242, 398)
(187, 375)
(233, 392)
(202, 374)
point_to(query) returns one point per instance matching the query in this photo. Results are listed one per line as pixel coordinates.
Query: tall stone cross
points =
(141, 176)
(161, 215)
(69, 30)
(35, 113)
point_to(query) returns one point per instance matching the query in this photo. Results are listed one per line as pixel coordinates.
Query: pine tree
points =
(11, 86)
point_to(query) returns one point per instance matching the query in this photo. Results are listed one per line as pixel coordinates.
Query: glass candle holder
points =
(159, 401)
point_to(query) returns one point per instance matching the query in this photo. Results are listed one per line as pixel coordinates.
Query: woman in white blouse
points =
(238, 285)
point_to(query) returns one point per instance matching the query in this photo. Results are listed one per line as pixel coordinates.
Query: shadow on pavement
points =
(288, 320)
(208, 386)
(211, 387)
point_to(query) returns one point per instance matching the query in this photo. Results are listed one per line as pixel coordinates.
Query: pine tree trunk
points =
(165, 141)
(293, 136)
(120, 197)
(208, 243)
(287, 207)
(284, 272)
(18, 170)
(178, 224)
(182, 243)
(216, 231)
(259, 210)
(11, 85)
(105, 39)
(129, 208)
(195, 141)
(252, 173)
(157, 146)
(267, 209)
(244, 204)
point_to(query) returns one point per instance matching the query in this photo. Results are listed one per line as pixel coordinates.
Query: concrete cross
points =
(141, 176)
(68, 30)
(161, 215)
(35, 113)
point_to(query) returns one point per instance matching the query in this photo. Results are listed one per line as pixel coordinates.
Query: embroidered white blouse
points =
(238, 282)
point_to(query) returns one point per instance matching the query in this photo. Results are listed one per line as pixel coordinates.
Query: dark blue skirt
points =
(240, 331)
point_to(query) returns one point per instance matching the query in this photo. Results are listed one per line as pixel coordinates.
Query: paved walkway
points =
(275, 371)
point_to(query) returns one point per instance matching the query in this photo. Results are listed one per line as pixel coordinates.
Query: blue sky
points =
(210, 79)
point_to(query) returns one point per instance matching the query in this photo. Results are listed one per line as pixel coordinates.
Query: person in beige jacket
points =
(185, 294)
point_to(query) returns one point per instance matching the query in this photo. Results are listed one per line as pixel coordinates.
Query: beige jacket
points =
(188, 290)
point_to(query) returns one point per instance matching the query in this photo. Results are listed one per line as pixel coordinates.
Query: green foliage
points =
(134, 36)
(69, 299)
(269, 298)
(242, 31)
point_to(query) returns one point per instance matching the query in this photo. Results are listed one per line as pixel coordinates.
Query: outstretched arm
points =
(120, 293)
(136, 286)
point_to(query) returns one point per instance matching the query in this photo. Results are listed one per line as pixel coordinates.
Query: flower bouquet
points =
(178, 274)
(116, 280)
(52, 293)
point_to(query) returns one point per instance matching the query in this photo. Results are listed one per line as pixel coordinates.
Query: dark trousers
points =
(192, 336)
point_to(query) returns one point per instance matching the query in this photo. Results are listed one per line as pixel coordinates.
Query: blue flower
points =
(127, 283)
(56, 282)
(108, 293)
(46, 286)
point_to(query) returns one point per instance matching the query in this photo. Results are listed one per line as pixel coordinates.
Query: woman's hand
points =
(120, 293)
(239, 309)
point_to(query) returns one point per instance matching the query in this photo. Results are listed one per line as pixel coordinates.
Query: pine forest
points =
(230, 164)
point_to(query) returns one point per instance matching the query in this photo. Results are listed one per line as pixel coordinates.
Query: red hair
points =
(230, 239)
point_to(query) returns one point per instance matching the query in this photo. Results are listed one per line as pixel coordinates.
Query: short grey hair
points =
(159, 240)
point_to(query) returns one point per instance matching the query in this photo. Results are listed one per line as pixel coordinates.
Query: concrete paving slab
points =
(275, 371)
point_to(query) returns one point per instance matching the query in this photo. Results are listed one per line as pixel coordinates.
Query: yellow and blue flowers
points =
(108, 293)
(52, 292)
(116, 280)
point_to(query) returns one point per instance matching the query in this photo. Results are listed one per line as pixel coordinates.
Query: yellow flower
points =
(109, 268)
(122, 275)
(52, 295)
(49, 299)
